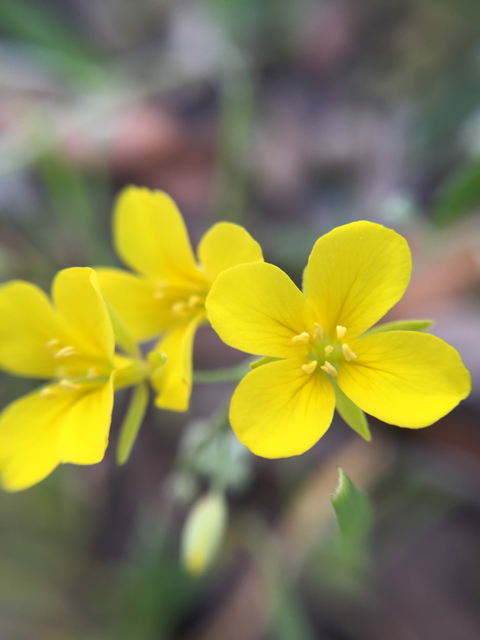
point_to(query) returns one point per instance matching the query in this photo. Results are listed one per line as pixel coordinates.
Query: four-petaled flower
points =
(167, 298)
(319, 347)
(70, 343)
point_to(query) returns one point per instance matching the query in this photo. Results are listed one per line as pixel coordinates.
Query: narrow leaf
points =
(401, 325)
(354, 515)
(132, 421)
(353, 416)
(460, 194)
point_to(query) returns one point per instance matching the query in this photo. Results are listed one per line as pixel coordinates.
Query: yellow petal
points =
(225, 245)
(257, 308)
(137, 302)
(405, 378)
(278, 410)
(79, 301)
(174, 382)
(151, 238)
(83, 436)
(27, 323)
(39, 431)
(355, 274)
(29, 430)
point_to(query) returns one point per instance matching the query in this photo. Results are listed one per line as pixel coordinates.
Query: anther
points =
(328, 349)
(341, 331)
(179, 308)
(68, 385)
(318, 331)
(159, 291)
(348, 353)
(92, 373)
(49, 392)
(53, 344)
(302, 337)
(310, 367)
(330, 369)
(193, 301)
(65, 352)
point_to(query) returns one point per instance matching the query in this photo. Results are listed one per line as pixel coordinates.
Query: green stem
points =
(229, 374)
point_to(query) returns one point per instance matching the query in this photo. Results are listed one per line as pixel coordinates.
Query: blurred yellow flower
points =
(320, 351)
(72, 344)
(167, 297)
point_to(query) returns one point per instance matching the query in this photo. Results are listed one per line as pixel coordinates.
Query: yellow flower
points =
(321, 352)
(167, 297)
(71, 343)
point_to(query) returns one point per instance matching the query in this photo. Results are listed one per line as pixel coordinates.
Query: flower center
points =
(74, 370)
(182, 302)
(326, 354)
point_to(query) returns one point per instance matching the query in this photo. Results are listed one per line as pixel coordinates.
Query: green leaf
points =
(123, 336)
(262, 361)
(460, 194)
(353, 416)
(132, 421)
(354, 515)
(401, 325)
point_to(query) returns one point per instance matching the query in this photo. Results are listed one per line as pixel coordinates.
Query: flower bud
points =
(203, 533)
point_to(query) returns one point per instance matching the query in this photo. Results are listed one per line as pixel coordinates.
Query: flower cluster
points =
(317, 346)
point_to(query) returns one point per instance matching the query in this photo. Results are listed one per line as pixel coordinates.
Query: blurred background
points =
(290, 118)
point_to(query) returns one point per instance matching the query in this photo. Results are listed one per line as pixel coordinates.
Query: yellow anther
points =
(318, 331)
(52, 345)
(310, 367)
(65, 352)
(193, 301)
(330, 369)
(302, 337)
(179, 308)
(49, 392)
(159, 291)
(328, 349)
(92, 373)
(347, 352)
(68, 385)
(341, 331)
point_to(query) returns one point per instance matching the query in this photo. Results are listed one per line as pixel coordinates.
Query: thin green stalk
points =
(229, 374)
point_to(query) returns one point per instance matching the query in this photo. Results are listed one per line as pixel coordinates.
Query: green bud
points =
(203, 533)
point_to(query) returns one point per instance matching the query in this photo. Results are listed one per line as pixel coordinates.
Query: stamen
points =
(66, 352)
(318, 331)
(328, 349)
(310, 367)
(68, 385)
(302, 337)
(179, 308)
(49, 392)
(193, 301)
(341, 331)
(159, 291)
(348, 353)
(92, 373)
(330, 369)
(52, 345)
